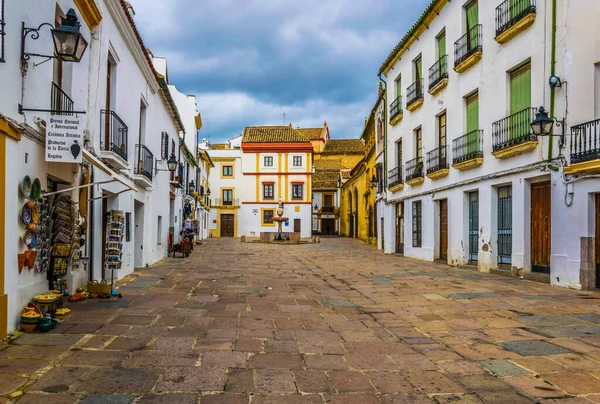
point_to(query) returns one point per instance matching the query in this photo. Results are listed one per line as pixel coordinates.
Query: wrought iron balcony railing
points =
(414, 92)
(437, 159)
(513, 130)
(438, 71)
(60, 101)
(395, 176)
(585, 142)
(512, 11)
(113, 131)
(396, 107)
(467, 147)
(226, 202)
(328, 209)
(145, 161)
(468, 44)
(414, 168)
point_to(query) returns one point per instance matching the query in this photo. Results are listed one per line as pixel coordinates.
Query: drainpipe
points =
(385, 127)
(552, 71)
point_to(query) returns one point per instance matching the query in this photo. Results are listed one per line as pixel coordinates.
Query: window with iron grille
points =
(268, 161)
(127, 226)
(268, 215)
(297, 191)
(416, 224)
(164, 146)
(297, 161)
(268, 191)
(2, 33)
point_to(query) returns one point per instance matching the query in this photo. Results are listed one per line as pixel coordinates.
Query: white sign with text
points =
(64, 139)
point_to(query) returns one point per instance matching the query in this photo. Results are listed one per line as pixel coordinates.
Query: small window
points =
(416, 224)
(297, 191)
(227, 196)
(127, 226)
(268, 191)
(159, 231)
(268, 161)
(227, 171)
(267, 217)
(164, 146)
(297, 161)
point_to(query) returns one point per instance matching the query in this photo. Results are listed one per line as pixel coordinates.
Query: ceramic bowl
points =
(35, 213)
(36, 189)
(34, 240)
(26, 186)
(28, 237)
(26, 214)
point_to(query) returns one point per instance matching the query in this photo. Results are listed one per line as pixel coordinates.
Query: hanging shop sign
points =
(64, 139)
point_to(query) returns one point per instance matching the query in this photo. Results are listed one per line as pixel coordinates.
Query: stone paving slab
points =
(336, 322)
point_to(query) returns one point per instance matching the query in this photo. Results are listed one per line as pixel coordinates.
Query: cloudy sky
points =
(251, 61)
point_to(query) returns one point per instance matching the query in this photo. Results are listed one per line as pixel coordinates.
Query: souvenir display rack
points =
(115, 224)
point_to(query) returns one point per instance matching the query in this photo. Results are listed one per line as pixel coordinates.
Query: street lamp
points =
(192, 187)
(171, 164)
(316, 207)
(542, 126)
(373, 181)
(69, 43)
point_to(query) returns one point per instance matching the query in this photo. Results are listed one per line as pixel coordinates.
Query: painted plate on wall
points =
(36, 189)
(28, 238)
(35, 214)
(26, 186)
(26, 214)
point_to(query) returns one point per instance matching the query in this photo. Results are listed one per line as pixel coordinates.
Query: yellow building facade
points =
(358, 192)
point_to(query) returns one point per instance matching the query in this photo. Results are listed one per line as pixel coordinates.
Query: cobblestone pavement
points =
(336, 322)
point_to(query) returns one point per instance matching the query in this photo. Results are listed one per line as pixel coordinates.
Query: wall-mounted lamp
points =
(554, 82)
(171, 164)
(373, 181)
(542, 126)
(192, 187)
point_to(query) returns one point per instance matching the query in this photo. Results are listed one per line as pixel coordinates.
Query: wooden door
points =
(444, 229)
(400, 228)
(327, 226)
(227, 223)
(597, 241)
(297, 226)
(540, 227)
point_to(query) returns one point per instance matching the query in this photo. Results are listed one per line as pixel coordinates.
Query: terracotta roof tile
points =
(272, 134)
(328, 165)
(345, 174)
(219, 146)
(311, 133)
(325, 180)
(344, 146)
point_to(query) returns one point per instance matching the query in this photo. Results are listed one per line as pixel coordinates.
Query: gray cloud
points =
(249, 61)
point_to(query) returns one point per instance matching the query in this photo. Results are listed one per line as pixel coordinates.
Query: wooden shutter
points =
(520, 89)
(472, 12)
(441, 46)
(164, 146)
(398, 87)
(473, 113)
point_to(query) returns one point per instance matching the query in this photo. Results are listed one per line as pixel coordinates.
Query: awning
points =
(96, 162)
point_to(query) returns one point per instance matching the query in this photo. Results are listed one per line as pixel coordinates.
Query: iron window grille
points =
(114, 132)
(268, 191)
(297, 161)
(505, 225)
(437, 159)
(145, 164)
(416, 224)
(414, 93)
(585, 142)
(268, 161)
(469, 44)
(473, 226)
(438, 71)
(164, 146)
(514, 129)
(414, 168)
(127, 226)
(395, 176)
(467, 147)
(268, 216)
(297, 191)
(396, 107)
(60, 101)
(2, 31)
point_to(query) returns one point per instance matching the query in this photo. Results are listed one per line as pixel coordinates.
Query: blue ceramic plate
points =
(26, 214)
(26, 186)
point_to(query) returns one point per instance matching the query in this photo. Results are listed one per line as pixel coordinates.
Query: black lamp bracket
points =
(33, 33)
(156, 163)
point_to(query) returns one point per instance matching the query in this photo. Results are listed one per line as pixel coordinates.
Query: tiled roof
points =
(345, 174)
(431, 12)
(311, 133)
(328, 165)
(325, 180)
(344, 146)
(219, 146)
(272, 134)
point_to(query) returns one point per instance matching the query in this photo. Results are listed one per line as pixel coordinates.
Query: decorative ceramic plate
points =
(35, 214)
(28, 238)
(36, 189)
(26, 214)
(34, 240)
(26, 186)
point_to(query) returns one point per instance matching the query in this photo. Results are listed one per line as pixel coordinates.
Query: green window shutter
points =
(472, 11)
(398, 87)
(520, 90)
(473, 123)
(441, 48)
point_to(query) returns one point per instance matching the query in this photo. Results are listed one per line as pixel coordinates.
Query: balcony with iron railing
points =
(414, 95)
(437, 163)
(438, 75)
(396, 110)
(328, 209)
(414, 171)
(226, 203)
(60, 102)
(113, 135)
(145, 165)
(468, 49)
(177, 176)
(467, 150)
(513, 17)
(584, 149)
(513, 135)
(395, 182)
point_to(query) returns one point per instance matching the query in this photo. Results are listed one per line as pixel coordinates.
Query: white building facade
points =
(468, 181)
(130, 128)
